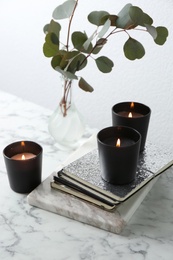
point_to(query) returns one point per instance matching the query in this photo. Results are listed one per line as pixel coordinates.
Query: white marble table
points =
(30, 233)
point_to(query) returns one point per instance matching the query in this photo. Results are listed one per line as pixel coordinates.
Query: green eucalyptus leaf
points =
(104, 19)
(51, 38)
(54, 27)
(162, 34)
(66, 74)
(51, 45)
(151, 30)
(131, 16)
(56, 60)
(60, 60)
(99, 45)
(71, 54)
(64, 10)
(46, 28)
(48, 50)
(63, 58)
(78, 40)
(146, 20)
(139, 17)
(104, 29)
(136, 14)
(133, 49)
(124, 20)
(64, 61)
(67, 57)
(77, 63)
(104, 64)
(84, 85)
(98, 17)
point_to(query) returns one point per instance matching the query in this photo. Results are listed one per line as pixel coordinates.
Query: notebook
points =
(85, 172)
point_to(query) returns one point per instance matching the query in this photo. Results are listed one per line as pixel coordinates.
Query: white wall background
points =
(24, 70)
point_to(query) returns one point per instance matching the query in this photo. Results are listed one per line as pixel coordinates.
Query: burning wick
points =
(132, 105)
(22, 143)
(118, 143)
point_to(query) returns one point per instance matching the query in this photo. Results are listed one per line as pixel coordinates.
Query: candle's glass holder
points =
(24, 175)
(118, 164)
(139, 120)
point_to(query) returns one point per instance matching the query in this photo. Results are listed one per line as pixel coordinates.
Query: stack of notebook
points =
(82, 178)
(69, 190)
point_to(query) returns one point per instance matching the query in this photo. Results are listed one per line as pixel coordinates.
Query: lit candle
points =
(132, 114)
(118, 148)
(24, 165)
(23, 156)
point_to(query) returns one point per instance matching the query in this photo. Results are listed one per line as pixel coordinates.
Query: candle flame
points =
(130, 114)
(132, 105)
(118, 143)
(23, 143)
(23, 157)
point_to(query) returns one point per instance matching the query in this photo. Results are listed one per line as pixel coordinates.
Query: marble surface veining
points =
(30, 233)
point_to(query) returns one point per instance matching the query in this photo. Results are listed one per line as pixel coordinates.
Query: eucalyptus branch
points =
(69, 61)
(102, 42)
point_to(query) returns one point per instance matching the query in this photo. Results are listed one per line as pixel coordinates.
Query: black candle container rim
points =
(138, 108)
(118, 131)
(16, 148)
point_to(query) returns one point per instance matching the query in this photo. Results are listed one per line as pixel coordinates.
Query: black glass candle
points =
(118, 148)
(23, 162)
(132, 114)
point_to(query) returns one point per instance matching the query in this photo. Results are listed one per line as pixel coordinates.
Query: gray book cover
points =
(152, 162)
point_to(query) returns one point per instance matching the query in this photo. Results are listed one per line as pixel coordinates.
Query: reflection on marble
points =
(31, 233)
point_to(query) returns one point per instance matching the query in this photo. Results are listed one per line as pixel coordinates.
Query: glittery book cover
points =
(152, 162)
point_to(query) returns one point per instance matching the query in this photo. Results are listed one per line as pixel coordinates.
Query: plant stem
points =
(69, 25)
(65, 102)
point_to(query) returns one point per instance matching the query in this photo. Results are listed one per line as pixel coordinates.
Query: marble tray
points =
(46, 198)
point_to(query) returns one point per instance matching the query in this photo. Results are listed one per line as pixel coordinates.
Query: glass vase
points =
(66, 124)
